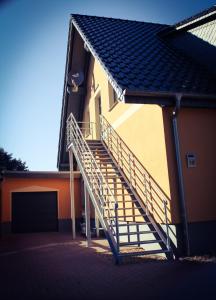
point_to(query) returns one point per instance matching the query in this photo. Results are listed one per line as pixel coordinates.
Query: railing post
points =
(134, 172)
(130, 175)
(72, 195)
(117, 227)
(122, 163)
(87, 217)
(167, 225)
(146, 193)
(117, 148)
(91, 168)
(97, 224)
(110, 137)
(101, 128)
(101, 193)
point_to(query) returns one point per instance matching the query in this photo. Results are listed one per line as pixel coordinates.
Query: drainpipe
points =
(183, 211)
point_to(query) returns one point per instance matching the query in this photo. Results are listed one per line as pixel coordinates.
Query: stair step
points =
(147, 252)
(136, 232)
(97, 150)
(125, 201)
(135, 224)
(125, 195)
(94, 155)
(109, 167)
(101, 156)
(104, 169)
(123, 244)
(124, 187)
(108, 176)
(126, 208)
(97, 158)
(131, 216)
(94, 142)
(94, 145)
(99, 170)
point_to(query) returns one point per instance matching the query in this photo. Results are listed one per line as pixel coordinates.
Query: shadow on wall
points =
(204, 52)
(155, 200)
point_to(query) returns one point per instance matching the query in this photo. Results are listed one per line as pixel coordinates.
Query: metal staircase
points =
(111, 180)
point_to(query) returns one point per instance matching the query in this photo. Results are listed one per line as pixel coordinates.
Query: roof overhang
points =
(168, 99)
(39, 174)
(77, 59)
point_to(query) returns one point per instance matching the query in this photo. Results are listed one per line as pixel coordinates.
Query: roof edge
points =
(191, 22)
(118, 89)
(167, 98)
(39, 174)
(197, 17)
(61, 138)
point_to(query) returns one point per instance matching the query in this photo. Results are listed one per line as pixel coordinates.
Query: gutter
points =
(167, 98)
(183, 212)
(127, 92)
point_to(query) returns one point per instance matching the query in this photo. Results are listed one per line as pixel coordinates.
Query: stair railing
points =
(99, 191)
(154, 199)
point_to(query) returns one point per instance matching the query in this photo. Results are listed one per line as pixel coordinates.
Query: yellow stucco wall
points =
(140, 126)
(59, 185)
(147, 130)
(196, 129)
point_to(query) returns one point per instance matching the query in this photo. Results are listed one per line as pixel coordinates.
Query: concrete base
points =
(202, 238)
(5, 228)
(64, 225)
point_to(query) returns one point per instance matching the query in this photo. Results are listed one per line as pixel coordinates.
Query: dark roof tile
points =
(136, 58)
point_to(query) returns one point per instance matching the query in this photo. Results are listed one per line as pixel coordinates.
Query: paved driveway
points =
(52, 266)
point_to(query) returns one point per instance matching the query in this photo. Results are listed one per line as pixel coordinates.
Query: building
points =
(138, 122)
(143, 99)
(37, 201)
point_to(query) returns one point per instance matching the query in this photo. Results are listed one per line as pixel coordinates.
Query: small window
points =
(113, 98)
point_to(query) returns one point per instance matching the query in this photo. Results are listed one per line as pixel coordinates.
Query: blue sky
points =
(33, 37)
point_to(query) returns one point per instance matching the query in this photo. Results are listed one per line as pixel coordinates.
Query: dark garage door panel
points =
(34, 212)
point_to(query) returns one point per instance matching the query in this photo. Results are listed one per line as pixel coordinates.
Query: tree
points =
(7, 162)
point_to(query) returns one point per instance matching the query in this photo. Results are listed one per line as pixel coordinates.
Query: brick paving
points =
(52, 266)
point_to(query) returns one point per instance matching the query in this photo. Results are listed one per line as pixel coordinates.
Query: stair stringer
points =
(104, 224)
(148, 217)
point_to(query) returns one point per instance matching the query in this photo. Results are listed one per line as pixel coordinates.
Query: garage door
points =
(34, 212)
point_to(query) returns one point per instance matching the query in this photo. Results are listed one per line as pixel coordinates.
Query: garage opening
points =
(34, 212)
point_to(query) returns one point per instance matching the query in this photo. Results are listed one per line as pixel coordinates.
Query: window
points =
(113, 98)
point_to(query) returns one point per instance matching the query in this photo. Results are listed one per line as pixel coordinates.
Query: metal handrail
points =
(154, 199)
(98, 184)
(90, 126)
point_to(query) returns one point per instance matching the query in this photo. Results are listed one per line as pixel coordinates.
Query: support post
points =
(97, 224)
(72, 195)
(183, 209)
(87, 217)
